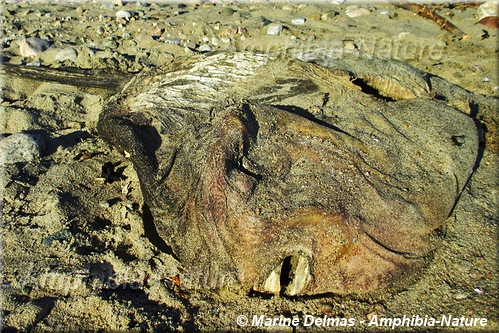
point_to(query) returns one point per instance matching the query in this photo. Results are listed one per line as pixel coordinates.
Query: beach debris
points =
(240, 201)
(356, 11)
(33, 46)
(425, 12)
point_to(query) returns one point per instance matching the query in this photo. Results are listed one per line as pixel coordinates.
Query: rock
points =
(191, 45)
(172, 41)
(214, 41)
(33, 46)
(123, 15)
(67, 54)
(314, 17)
(226, 11)
(274, 29)
(487, 9)
(107, 6)
(205, 48)
(36, 63)
(21, 147)
(356, 11)
(329, 15)
(298, 21)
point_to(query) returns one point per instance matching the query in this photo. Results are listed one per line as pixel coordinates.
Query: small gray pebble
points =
(111, 45)
(107, 6)
(205, 48)
(124, 14)
(36, 63)
(190, 45)
(329, 15)
(21, 147)
(274, 29)
(227, 11)
(67, 54)
(172, 41)
(298, 21)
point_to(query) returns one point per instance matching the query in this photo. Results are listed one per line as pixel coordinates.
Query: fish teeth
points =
(297, 271)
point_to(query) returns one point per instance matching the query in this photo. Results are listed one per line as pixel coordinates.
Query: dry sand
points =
(79, 253)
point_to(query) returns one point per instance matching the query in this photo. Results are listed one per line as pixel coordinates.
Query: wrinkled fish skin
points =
(286, 176)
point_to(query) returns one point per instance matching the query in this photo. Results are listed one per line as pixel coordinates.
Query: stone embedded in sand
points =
(33, 46)
(298, 21)
(66, 54)
(274, 29)
(21, 147)
(123, 16)
(282, 176)
(356, 11)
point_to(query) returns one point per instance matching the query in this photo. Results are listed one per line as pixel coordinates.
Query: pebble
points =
(67, 54)
(227, 11)
(62, 235)
(206, 39)
(124, 14)
(298, 21)
(356, 11)
(111, 45)
(315, 17)
(36, 63)
(329, 15)
(487, 9)
(107, 6)
(172, 41)
(33, 46)
(274, 29)
(191, 45)
(21, 148)
(205, 48)
(214, 41)
(225, 40)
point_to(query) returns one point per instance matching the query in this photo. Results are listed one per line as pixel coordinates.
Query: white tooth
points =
(273, 282)
(301, 276)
